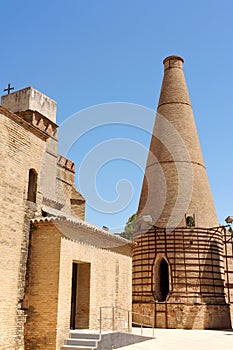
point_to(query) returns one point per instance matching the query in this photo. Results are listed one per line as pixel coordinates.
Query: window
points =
(32, 185)
(190, 221)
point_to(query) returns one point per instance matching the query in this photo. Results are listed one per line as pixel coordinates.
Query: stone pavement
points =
(179, 339)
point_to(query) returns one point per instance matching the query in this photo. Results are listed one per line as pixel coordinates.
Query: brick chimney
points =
(178, 270)
(175, 184)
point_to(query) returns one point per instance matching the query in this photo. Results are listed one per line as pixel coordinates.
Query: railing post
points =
(129, 330)
(113, 319)
(141, 322)
(100, 320)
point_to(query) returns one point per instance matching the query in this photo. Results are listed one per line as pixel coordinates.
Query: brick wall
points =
(25, 145)
(43, 290)
(176, 186)
(66, 193)
(228, 265)
(184, 315)
(28, 141)
(196, 278)
(109, 283)
(18, 140)
(176, 181)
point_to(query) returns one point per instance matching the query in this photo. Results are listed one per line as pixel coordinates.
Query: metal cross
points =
(8, 89)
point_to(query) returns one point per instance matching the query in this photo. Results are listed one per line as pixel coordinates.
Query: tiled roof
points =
(69, 219)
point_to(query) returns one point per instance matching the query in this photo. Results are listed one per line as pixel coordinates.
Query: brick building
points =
(53, 267)
(53, 264)
(183, 260)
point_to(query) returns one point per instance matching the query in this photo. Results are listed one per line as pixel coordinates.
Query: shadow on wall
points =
(217, 313)
(23, 287)
(212, 282)
(192, 317)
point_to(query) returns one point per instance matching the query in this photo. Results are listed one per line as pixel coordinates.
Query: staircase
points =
(120, 323)
(81, 341)
(90, 340)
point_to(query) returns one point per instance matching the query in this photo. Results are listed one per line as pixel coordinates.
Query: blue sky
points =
(86, 53)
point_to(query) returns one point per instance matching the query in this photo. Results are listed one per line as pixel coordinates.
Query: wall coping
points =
(75, 222)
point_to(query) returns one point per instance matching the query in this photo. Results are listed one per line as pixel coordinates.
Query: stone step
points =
(107, 340)
(81, 335)
(82, 342)
(72, 347)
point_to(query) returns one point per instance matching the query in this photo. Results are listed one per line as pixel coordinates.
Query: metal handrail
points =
(129, 312)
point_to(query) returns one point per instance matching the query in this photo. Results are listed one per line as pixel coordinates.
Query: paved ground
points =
(174, 339)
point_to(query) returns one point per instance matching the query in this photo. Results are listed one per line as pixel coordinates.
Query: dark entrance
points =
(164, 280)
(73, 295)
(80, 295)
(161, 280)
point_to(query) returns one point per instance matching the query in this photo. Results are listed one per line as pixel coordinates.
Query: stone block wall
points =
(30, 99)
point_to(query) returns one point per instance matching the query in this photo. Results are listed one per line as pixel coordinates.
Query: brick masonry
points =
(176, 186)
(36, 269)
(196, 278)
(17, 142)
(36, 261)
(54, 247)
(175, 171)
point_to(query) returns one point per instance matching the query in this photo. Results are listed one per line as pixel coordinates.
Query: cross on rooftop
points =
(8, 89)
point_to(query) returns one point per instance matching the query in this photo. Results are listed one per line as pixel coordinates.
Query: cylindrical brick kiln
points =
(178, 272)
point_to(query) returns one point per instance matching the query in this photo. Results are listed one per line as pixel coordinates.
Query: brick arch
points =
(161, 280)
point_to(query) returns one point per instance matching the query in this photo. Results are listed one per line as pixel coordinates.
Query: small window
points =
(190, 221)
(32, 185)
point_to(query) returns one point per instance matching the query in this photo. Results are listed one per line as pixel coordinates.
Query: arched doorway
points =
(161, 279)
